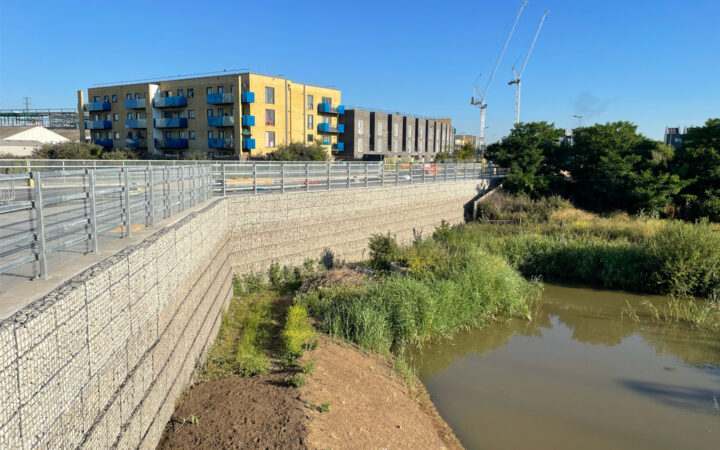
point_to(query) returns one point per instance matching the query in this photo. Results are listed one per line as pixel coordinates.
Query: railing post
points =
(456, 172)
(397, 172)
(166, 193)
(282, 178)
(193, 173)
(423, 172)
(382, 173)
(128, 232)
(307, 176)
(40, 235)
(181, 175)
(93, 210)
(151, 190)
(435, 173)
(347, 171)
(254, 173)
(328, 176)
(367, 176)
(411, 172)
(223, 180)
(475, 174)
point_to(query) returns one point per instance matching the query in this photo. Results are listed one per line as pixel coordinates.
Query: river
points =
(578, 376)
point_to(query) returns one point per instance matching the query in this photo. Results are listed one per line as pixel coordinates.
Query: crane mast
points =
(518, 75)
(481, 96)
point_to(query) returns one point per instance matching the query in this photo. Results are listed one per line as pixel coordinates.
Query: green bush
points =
(384, 251)
(298, 331)
(297, 151)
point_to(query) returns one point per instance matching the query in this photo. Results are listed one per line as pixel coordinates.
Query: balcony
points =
(169, 102)
(171, 143)
(221, 121)
(136, 123)
(103, 142)
(247, 97)
(98, 125)
(138, 103)
(219, 99)
(175, 122)
(248, 121)
(221, 143)
(339, 147)
(326, 108)
(97, 106)
(135, 143)
(248, 144)
(328, 128)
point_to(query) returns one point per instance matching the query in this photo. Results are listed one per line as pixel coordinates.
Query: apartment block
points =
(369, 132)
(462, 139)
(232, 116)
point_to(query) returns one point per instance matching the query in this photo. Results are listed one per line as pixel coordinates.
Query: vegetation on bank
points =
(611, 167)
(298, 151)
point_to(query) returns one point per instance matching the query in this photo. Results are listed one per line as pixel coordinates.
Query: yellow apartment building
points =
(233, 116)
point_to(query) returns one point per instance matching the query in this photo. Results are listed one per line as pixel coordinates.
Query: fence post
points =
(128, 232)
(193, 173)
(181, 176)
(254, 173)
(445, 169)
(151, 189)
(435, 173)
(347, 171)
(397, 172)
(93, 210)
(40, 236)
(475, 174)
(282, 178)
(382, 173)
(411, 172)
(166, 192)
(423, 171)
(456, 172)
(223, 180)
(328, 176)
(367, 176)
(307, 176)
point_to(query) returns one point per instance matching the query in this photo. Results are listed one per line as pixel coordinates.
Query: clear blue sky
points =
(654, 63)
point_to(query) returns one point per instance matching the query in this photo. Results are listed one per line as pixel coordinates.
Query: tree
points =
(531, 152)
(614, 167)
(442, 157)
(466, 152)
(297, 151)
(698, 161)
(68, 150)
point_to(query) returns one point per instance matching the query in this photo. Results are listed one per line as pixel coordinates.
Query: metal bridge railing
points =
(48, 216)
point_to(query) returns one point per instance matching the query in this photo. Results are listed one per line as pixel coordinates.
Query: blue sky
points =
(654, 63)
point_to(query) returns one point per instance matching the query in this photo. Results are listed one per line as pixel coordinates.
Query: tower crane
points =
(479, 101)
(518, 75)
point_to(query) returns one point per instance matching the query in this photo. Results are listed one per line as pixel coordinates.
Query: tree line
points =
(610, 167)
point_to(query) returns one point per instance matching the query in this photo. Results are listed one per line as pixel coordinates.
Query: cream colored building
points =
(231, 116)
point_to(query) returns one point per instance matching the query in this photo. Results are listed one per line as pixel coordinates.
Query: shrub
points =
(296, 380)
(297, 151)
(68, 150)
(383, 251)
(298, 331)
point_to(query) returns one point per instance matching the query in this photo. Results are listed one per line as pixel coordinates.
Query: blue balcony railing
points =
(98, 124)
(175, 122)
(247, 97)
(328, 128)
(97, 106)
(221, 143)
(326, 108)
(103, 142)
(248, 144)
(135, 143)
(221, 121)
(137, 103)
(340, 146)
(169, 102)
(171, 143)
(219, 99)
(136, 123)
(248, 121)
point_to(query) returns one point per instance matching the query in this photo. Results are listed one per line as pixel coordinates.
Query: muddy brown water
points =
(579, 376)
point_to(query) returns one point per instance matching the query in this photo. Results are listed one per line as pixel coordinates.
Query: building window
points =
(107, 116)
(327, 100)
(129, 116)
(117, 135)
(106, 98)
(361, 127)
(114, 98)
(191, 113)
(269, 95)
(128, 96)
(182, 135)
(221, 112)
(96, 99)
(232, 89)
(190, 92)
(379, 129)
(209, 90)
(310, 121)
(210, 134)
(181, 114)
(395, 145)
(210, 112)
(326, 140)
(192, 134)
(310, 138)
(378, 145)
(221, 89)
(270, 117)
(360, 145)
(115, 117)
(138, 115)
(180, 93)
(409, 131)
(270, 139)
(310, 102)
(395, 130)
(420, 133)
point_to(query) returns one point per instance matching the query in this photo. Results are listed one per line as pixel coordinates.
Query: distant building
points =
(21, 141)
(375, 134)
(230, 116)
(673, 136)
(462, 139)
(567, 138)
